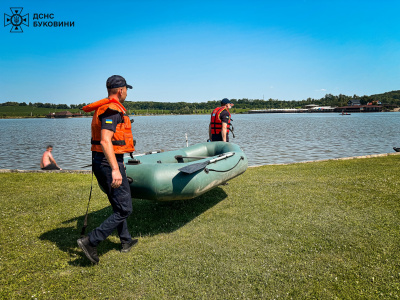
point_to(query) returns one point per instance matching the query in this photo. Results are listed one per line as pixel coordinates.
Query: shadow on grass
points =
(148, 219)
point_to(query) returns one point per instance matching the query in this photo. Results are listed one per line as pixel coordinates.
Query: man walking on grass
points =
(111, 138)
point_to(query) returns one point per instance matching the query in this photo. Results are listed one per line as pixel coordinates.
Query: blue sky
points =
(196, 51)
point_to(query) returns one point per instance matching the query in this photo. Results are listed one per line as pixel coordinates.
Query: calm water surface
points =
(265, 138)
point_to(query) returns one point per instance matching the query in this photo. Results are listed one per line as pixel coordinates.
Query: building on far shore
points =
(321, 109)
(313, 108)
(61, 114)
(354, 102)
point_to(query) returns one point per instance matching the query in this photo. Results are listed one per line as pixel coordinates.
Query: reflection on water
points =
(265, 138)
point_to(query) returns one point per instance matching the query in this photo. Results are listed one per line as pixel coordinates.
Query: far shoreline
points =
(241, 113)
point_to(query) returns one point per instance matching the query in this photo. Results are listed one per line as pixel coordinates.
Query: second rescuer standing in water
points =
(111, 138)
(220, 124)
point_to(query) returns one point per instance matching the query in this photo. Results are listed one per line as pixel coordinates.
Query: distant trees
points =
(392, 98)
(38, 104)
(10, 104)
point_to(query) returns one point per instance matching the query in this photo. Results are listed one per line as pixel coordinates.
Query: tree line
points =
(391, 98)
(42, 105)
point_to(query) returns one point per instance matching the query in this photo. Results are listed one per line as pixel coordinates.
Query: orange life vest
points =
(216, 122)
(122, 139)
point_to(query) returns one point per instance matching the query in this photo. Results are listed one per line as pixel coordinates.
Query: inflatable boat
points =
(185, 173)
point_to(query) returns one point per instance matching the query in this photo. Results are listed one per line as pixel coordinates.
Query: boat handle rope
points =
(208, 170)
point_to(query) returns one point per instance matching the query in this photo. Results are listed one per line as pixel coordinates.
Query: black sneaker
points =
(126, 247)
(90, 251)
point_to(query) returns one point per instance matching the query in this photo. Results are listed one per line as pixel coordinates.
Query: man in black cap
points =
(220, 124)
(111, 139)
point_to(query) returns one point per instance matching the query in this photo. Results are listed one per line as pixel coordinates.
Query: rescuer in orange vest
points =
(220, 123)
(111, 138)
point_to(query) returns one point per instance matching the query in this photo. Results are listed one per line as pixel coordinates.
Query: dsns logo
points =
(16, 20)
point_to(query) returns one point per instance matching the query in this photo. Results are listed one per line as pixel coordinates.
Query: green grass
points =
(29, 111)
(323, 230)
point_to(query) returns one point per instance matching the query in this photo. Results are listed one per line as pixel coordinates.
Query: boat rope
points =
(87, 210)
(208, 170)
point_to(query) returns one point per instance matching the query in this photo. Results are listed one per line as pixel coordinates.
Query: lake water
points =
(265, 138)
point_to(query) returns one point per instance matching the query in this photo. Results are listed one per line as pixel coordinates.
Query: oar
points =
(189, 169)
(151, 152)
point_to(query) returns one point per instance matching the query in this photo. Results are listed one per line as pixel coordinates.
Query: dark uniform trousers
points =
(120, 200)
(218, 137)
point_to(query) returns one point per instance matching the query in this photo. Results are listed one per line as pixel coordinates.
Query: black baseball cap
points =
(225, 101)
(117, 81)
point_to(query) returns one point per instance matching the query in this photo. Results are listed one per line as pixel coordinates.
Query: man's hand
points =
(117, 179)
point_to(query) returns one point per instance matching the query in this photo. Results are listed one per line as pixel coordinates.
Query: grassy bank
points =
(30, 112)
(321, 230)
